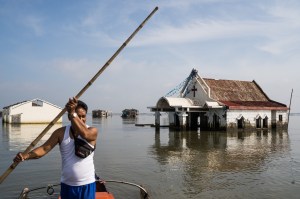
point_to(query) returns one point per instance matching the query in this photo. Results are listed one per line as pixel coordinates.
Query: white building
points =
(221, 104)
(34, 111)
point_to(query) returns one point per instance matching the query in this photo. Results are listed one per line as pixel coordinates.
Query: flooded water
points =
(169, 164)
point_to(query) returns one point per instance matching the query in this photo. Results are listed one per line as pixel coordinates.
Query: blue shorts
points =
(87, 191)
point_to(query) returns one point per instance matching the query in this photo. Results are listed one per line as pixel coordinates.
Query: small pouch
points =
(82, 148)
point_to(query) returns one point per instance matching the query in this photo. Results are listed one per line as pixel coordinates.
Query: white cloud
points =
(78, 69)
(180, 4)
(281, 45)
(198, 30)
(285, 10)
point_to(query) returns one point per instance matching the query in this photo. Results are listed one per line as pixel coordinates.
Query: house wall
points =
(5, 113)
(251, 115)
(221, 114)
(284, 122)
(213, 122)
(201, 95)
(171, 118)
(26, 113)
(222, 119)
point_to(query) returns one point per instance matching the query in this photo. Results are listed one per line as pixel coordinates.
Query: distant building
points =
(221, 104)
(100, 113)
(129, 113)
(34, 111)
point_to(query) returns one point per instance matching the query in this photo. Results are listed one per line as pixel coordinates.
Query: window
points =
(280, 118)
(265, 122)
(37, 103)
(258, 122)
(241, 123)
(216, 121)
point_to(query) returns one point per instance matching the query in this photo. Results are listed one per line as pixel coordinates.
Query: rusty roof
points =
(233, 90)
(235, 93)
(255, 105)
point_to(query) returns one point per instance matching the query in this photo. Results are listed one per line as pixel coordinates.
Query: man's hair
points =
(81, 104)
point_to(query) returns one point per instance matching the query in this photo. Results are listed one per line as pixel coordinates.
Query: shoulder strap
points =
(75, 138)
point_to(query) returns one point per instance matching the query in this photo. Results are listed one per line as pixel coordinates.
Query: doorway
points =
(241, 123)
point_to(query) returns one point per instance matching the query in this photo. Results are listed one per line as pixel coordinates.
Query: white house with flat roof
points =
(34, 111)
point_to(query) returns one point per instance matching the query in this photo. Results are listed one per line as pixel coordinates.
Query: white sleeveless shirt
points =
(75, 170)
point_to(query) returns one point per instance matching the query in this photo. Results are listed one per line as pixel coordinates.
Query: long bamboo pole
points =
(31, 146)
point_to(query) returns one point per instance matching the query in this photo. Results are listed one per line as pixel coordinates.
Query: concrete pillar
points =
(157, 119)
(171, 116)
(190, 120)
(182, 119)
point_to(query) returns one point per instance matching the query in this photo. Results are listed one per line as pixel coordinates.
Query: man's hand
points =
(20, 157)
(71, 105)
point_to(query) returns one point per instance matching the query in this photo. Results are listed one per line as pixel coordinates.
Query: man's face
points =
(81, 114)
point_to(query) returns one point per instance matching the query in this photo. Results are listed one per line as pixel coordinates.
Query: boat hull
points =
(101, 195)
(104, 195)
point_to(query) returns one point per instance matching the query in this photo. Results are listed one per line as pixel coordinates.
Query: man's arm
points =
(89, 134)
(78, 124)
(41, 150)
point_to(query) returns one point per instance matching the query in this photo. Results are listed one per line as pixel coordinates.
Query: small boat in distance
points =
(129, 113)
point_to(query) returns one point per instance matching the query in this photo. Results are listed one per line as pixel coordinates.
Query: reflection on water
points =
(215, 147)
(19, 136)
(129, 121)
(210, 161)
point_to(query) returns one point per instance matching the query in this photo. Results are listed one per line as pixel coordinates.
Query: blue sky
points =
(51, 49)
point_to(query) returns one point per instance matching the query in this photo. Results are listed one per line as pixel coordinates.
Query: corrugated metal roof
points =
(6, 107)
(23, 102)
(234, 94)
(238, 94)
(233, 90)
(255, 105)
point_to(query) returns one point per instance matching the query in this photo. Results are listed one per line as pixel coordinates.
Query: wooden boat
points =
(101, 191)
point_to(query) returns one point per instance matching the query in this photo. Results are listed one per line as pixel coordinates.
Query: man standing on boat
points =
(78, 173)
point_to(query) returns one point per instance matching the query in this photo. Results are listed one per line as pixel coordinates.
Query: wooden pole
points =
(290, 109)
(31, 146)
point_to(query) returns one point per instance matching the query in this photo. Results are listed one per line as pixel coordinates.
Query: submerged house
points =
(221, 104)
(130, 113)
(100, 113)
(34, 111)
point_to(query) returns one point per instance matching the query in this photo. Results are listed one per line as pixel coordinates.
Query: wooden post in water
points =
(289, 110)
(31, 146)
